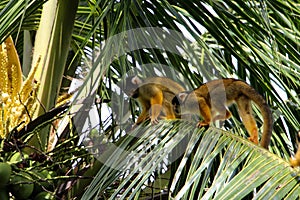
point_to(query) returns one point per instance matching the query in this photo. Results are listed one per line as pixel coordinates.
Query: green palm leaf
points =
(214, 165)
(257, 41)
(15, 13)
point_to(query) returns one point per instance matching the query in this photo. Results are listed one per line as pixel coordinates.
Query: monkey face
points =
(176, 105)
(131, 85)
(185, 103)
(130, 92)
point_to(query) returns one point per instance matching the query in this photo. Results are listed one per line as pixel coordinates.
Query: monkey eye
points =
(176, 108)
(175, 101)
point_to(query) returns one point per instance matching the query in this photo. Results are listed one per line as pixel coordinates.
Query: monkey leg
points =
(205, 112)
(245, 111)
(222, 117)
(168, 110)
(294, 162)
(143, 116)
(218, 106)
(156, 103)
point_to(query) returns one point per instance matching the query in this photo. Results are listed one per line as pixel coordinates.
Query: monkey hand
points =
(202, 124)
(154, 121)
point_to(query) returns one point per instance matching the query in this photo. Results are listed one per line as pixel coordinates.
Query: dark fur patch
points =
(135, 94)
(176, 104)
(176, 101)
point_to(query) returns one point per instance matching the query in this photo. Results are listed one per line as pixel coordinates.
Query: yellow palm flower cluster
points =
(17, 98)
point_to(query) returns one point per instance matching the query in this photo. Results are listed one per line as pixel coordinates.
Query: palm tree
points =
(189, 41)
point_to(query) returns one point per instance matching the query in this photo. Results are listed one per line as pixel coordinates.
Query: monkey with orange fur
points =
(211, 99)
(154, 95)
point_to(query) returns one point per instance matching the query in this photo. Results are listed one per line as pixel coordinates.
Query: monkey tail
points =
(265, 111)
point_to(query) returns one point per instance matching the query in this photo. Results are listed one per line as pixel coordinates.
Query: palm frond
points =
(257, 41)
(214, 164)
(14, 13)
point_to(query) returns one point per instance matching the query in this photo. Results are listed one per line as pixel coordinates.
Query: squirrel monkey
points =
(154, 94)
(211, 99)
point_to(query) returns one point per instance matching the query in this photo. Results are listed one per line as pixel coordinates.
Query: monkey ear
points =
(182, 96)
(136, 80)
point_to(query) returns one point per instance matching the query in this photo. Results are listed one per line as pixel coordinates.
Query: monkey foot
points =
(134, 126)
(294, 162)
(253, 139)
(202, 124)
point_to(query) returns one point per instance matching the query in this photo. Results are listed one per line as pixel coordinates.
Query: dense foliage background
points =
(257, 41)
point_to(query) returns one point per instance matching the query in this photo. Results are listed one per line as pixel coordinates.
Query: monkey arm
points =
(145, 105)
(156, 102)
(245, 111)
(143, 116)
(205, 112)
